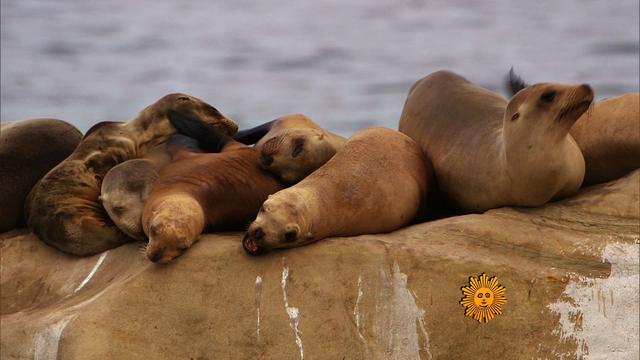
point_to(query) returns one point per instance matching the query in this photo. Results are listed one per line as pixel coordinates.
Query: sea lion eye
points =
(298, 146)
(117, 210)
(183, 98)
(548, 96)
(515, 116)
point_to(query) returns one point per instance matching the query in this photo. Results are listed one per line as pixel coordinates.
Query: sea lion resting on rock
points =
(219, 190)
(63, 208)
(375, 184)
(608, 135)
(28, 150)
(126, 187)
(487, 152)
(292, 146)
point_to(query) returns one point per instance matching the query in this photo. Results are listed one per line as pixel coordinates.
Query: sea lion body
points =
(216, 191)
(488, 152)
(293, 146)
(28, 150)
(63, 208)
(375, 183)
(609, 137)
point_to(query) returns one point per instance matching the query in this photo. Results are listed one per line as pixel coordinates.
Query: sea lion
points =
(292, 146)
(375, 184)
(219, 190)
(63, 209)
(488, 152)
(28, 150)
(126, 187)
(608, 135)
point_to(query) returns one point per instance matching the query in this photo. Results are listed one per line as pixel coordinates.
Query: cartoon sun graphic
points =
(483, 298)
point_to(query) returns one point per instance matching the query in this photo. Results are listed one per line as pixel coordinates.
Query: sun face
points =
(483, 298)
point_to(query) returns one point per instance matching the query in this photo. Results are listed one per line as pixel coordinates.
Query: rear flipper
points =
(514, 83)
(253, 135)
(210, 139)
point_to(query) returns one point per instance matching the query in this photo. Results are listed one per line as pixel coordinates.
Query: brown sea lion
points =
(63, 208)
(375, 184)
(28, 150)
(608, 135)
(219, 190)
(126, 187)
(292, 146)
(488, 152)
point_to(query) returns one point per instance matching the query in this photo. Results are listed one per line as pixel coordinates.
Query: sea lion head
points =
(124, 192)
(279, 224)
(549, 109)
(172, 225)
(155, 117)
(294, 153)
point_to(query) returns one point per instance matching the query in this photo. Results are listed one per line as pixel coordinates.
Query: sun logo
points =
(483, 298)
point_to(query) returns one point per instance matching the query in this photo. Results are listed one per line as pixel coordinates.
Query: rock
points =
(570, 269)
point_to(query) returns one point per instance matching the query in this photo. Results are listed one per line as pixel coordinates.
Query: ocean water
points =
(348, 64)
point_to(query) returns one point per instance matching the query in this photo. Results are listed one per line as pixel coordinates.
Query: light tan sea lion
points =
(63, 208)
(488, 152)
(292, 146)
(608, 135)
(219, 190)
(28, 150)
(375, 184)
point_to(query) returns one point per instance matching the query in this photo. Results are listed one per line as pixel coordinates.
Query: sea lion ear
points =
(515, 82)
(298, 146)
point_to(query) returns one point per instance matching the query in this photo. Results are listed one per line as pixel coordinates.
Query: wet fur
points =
(63, 208)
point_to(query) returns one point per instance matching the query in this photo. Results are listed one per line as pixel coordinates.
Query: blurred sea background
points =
(348, 64)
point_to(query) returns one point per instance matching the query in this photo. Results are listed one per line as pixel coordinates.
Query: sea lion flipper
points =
(253, 135)
(210, 139)
(178, 146)
(515, 82)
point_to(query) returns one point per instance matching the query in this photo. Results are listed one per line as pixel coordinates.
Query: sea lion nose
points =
(265, 159)
(156, 255)
(258, 234)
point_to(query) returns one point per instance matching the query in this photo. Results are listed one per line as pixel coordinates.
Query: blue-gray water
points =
(346, 63)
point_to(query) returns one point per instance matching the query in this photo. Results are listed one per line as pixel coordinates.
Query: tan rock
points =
(571, 270)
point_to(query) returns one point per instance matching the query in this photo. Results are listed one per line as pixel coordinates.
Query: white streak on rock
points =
(258, 296)
(47, 340)
(93, 271)
(601, 327)
(356, 309)
(398, 319)
(292, 312)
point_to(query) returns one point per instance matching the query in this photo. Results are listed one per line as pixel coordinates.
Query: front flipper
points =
(210, 139)
(179, 146)
(253, 135)
(515, 82)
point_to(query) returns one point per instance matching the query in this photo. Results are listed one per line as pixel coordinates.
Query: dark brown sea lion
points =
(219, 190)
(63, 209)
(28, 150)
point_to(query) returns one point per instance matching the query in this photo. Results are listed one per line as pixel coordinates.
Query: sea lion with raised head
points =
(608, 135)
(375, 184)
(63, 208)
(28, 150)
(488, 152)
(292, 146)
(218, 190)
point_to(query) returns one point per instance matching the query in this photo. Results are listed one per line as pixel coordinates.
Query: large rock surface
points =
(571, 270)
